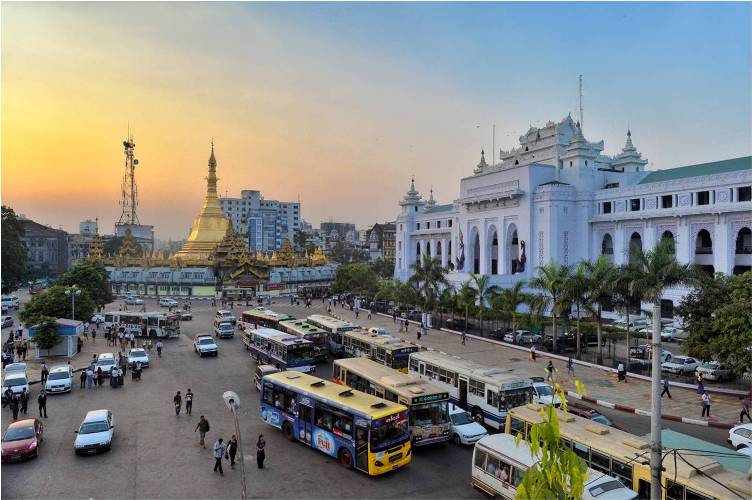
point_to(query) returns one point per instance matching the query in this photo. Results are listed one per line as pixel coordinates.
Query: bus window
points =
(342, 425)
(583, 451)
(674, 491)
(480, 459)
(153, 321)
(323, 418)
(600, 462)
(693, 495)
(517, 475)
(398, 363)
(517, 427)
(622, 472)
(492, 465)
(268, 393)
(337, 373)
(492, 398)
(413, 365)
(422, 368)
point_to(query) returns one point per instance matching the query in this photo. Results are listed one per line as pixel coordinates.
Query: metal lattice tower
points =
(129, 189)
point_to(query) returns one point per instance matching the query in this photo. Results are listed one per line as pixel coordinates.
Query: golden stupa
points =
(210, 226)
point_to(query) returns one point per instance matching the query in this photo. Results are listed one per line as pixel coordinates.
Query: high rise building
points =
(87, 226)
(265, 223)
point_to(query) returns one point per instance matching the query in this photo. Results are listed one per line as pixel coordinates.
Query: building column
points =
(724, 248)
(483, 250)
(433, 249)
(444, 253)
(621, 248)
(685, 243)
(422, 249)
(650, 239)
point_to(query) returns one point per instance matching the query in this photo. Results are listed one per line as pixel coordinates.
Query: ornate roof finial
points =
(431, 202)
(480, 168)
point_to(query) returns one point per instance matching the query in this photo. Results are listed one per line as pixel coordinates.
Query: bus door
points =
(361, 448)
(378, 391)
(305, 419)
(463, 392)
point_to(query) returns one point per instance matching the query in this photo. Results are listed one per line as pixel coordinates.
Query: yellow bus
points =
(428, 405)
(304, 330)
(627, 458)
(385, 349)
(260, 317)
(363, 432)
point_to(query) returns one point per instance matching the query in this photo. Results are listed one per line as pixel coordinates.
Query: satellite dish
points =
(135, 162)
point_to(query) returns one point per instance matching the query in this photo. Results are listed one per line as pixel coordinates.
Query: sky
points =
(339, 104)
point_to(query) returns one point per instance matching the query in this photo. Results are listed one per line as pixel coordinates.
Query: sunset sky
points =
(340, 103)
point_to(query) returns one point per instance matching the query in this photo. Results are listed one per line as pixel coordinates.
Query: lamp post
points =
(232, 400)
(73, 291)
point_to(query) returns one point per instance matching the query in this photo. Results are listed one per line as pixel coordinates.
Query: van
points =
(225, 315)
(499, 465)
(261, 372)
(223, 329)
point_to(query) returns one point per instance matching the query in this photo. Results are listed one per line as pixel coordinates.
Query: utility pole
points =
(581, 123)
(656, 450)
(73, 291)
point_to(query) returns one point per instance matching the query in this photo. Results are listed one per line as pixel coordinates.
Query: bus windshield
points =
(389, 431)
(515, 397)
(399, 362)
(299, 355)
(429, 413)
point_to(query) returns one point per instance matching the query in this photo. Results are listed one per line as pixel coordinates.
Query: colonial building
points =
(381, 241)
(47, 249)
(558, 198)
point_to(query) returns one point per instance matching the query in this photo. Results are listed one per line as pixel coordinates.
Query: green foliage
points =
(112, 246)
(428, 278)
(46, 336)
(558, 472)
(718, 317)
(54, 303)
(347, 254)
(383, 268)
(14, 251)
(510, 299)
(356, 278)
(552, 279)
(484, 292)
(91, 277)
(600, 275)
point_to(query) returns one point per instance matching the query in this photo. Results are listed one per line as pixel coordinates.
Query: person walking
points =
(260, 451)
(369, 314)
(188, 401)
(14, 406)
(202, 427)
(394, 316)
(42, 401)
(45, 372)
(532, 353)
(94, 336)
(232, 450)
(621, 372)
(705, 404)
(550, 371)
(666, 388)
(178, 400)
(159, 348)
(82, 378)
(24, 349)
(219, 453)
(8, 396)
(570, 367)
(745, 410)
(464, 337)
(24, 400)
(100, 376)
(89, 377)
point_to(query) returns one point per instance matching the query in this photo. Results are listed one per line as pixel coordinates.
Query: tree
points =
(655, 271)
(300, 239)
(46, 336)
(624, 294)
(509, 299)
(599, 281)
(429, 277)
(466, 300)
(384, 268)
(356, 278)
(347, 254)
(576, 294)
(718, 318)
(552, 280)
(92, 277)
(112, 246)
(484, 291)
(14, 252)
(54, 303)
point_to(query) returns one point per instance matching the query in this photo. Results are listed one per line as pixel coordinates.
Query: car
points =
(681, 365)
(186, 316)
(223, 329)
(643, 352)
(586, 412)
(60, 379)
(105, 361)
(95, 433)
(167, 302)
(740, 436)
(138, 354)
(564, 343)
(670, 334)
(465, 429)
(16, 367)
(17, 381)
(133, 300)
(544, 393)
(526, 337)
(713, 370)
(7, 321)
(97, 319)
(22, 439)
(509, 337)
(378, 331)
(204, 345)
(225, 315)
(10, 302)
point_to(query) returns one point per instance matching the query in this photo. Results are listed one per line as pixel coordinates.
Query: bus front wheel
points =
(287, 431)
(478, 415)
(345, 458)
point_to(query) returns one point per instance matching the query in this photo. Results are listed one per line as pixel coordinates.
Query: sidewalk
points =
(601, 386)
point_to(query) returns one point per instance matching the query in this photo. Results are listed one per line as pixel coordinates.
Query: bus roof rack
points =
(380, 404)
(318, 383)
(347, 393)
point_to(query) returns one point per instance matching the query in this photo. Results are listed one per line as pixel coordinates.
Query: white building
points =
(557, 197)
(266, 223)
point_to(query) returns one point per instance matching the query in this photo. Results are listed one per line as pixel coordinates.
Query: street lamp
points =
(73, 291)
(232, 400)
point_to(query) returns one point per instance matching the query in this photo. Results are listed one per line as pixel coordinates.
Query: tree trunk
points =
(599, 357)
(579, 346)
(627, 331)
(553, 321)
(655, 414)
(514, 322)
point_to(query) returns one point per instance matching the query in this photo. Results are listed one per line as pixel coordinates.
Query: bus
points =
(361, 431)
(385, 349)
(499, 464)
(427, 404)
(626, 457)
(144, 324)
(334, 327)
(262, 318)
(272, 347)
(304, 330)
(486, 392)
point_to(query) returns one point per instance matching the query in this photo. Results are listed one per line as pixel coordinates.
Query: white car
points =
(95, 433)
(132, 300)
(670, 334)
(17, 381)
(60, 379)
(7, 321)
(105, 361)
(713, 370)
(204, 345)
(167, 302)
(681, 365)
(136, 355)
(225, 315)
(740, 436)
(465, 429)
(544, 393)
(10, 302)
(97, 319)
(15, 367)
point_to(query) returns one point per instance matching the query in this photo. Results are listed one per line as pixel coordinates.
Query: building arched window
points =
(607, 245)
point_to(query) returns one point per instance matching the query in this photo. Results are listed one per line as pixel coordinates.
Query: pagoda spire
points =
(482, 165)
(431, 202)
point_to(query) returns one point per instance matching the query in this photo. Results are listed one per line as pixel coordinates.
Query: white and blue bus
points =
(285, 351)
(335, 328)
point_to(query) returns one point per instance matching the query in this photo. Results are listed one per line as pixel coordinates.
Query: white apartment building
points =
(265, 223)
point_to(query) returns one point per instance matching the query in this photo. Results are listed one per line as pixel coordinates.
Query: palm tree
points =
(600, 275)
(388, 291)
(552, 279)
(428, 278)
(466, 299)
(577, 295)
(484, 292)
(625, 294)
(510, 299)
(655, 271)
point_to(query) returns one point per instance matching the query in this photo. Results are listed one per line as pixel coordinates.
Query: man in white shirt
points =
(219, 452)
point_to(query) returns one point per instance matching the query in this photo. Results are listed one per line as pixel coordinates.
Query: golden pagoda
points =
(96, 248)
(210, 226)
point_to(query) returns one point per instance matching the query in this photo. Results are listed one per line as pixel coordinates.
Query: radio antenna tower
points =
(129, 189)
(581, 123)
